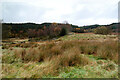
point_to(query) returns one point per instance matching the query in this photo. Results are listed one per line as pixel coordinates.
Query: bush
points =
(63, 32)
(102, 30)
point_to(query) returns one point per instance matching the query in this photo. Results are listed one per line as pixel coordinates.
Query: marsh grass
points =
(104, 50)
(50, 58)
(22, 45)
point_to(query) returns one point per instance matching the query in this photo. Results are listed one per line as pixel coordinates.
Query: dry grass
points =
(105, 50)
(22, 45)
(72, 57)
(53, 56)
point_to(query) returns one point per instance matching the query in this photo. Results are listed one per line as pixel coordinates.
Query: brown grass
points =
(22, 45)
(105, 50)
(65, 53)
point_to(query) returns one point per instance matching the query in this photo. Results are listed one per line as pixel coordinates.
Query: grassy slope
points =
(99, 68)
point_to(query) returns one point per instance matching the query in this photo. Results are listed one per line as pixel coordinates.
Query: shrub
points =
(63, 32)
(102, 30)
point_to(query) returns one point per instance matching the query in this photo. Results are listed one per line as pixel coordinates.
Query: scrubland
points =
(70, 56)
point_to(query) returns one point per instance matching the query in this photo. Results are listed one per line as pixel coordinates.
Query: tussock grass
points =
(109, 70)
(72, 57)
(50, 58)
(22, 45)
(104, 50)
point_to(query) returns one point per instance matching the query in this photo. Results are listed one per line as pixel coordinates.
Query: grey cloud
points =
(17, 12)
(91, 10)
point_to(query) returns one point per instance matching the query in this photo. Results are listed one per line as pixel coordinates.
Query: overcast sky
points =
(77, 12)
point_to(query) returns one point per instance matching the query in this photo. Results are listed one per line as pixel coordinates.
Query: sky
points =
(77, 12)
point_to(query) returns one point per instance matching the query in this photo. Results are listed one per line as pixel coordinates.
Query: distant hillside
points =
(22, 29)
(34, 25)
(25, 26)
(112, 26)
(16, 28)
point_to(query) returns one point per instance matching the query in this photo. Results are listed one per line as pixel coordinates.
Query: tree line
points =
(51, 30)
(35, 30)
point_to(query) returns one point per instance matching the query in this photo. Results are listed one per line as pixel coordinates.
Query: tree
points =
(6, 31)
(65, 22)
(63, 32)
(102, 30)
(40, 33)
(32, 33)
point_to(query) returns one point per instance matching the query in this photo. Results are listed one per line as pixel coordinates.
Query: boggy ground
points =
(71, 56)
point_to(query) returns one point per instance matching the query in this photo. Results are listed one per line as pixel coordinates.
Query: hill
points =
(16, 28)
